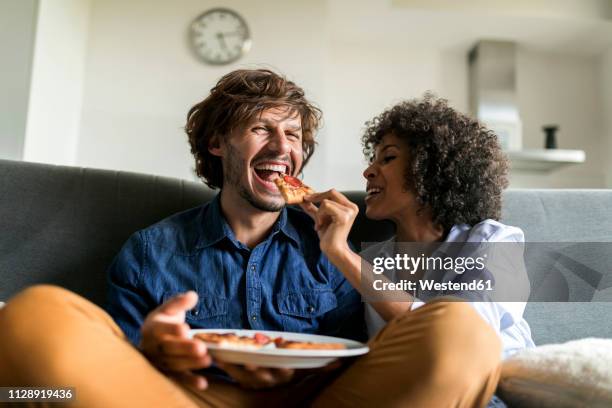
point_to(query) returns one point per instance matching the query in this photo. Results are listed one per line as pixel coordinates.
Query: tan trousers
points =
(440, 355)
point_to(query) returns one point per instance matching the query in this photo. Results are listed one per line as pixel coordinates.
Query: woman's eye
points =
(387, 159)
(293, 136)
(259, 129)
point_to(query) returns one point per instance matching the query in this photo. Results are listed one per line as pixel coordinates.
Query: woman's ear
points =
(215, 146)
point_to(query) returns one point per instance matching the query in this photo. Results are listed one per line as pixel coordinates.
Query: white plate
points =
(269, 356)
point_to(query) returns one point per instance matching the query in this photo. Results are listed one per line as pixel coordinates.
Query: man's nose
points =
(279, 142)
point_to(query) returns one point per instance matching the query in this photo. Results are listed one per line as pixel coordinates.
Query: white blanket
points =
(577, 373)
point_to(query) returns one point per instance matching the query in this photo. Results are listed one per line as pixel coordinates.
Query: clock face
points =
(220, 36)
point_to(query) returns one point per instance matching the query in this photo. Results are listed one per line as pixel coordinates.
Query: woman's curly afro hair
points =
(456, 165)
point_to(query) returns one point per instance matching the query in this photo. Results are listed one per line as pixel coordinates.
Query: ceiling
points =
(582, 27)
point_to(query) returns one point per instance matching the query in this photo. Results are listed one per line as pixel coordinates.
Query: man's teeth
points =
(373, 190)
(273, 167)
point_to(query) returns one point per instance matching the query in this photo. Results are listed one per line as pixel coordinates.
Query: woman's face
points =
(387, 196)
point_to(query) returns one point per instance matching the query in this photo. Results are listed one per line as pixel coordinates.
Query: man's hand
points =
(257, 378)
(165, 341)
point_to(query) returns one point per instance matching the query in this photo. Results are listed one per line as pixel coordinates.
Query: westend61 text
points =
(431, 285)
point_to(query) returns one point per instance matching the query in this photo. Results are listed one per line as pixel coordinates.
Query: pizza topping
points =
(292, 180)
(261, 338)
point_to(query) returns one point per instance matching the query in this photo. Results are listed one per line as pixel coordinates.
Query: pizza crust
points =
(231, 340)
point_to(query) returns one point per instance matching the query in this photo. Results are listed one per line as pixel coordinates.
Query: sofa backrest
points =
(63, 225)
(570, 218)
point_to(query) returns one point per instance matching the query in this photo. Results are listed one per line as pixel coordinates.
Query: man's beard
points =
(233, 168)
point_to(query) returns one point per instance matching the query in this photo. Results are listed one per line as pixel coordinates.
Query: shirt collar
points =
(285, 226)
(215, 227)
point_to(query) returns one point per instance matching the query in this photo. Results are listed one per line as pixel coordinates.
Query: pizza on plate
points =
(232, 340)
(292, 189)
(259, 340)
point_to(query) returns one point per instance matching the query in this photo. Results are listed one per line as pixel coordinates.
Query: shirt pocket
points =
(209, 313)
(300, 310)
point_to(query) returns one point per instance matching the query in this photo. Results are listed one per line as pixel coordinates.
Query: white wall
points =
(605, 75)
(564, 90)
(141, 78)
(57, 80)
(365, 81)
(17, 31)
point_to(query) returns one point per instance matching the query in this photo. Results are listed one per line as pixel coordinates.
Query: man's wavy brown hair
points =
(236, 99)
(456, 165)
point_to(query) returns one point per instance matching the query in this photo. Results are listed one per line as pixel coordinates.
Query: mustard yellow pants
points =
(440, 355)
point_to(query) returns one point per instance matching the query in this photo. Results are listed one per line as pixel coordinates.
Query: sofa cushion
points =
(63, 225)
(577, 373)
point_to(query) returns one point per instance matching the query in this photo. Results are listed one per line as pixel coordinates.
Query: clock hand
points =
(221, 39)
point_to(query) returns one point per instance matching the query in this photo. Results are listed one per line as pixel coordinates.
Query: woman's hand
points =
(333, 220)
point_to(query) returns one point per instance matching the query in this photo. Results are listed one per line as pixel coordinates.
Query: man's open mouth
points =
(268, 172)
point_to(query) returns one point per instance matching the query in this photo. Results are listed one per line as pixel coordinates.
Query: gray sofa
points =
(63, 225)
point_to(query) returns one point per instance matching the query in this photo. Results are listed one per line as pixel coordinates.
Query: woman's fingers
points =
(332, 194)
(310, 209)
(337, 212)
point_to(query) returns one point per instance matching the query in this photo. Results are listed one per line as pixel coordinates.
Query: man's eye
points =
(259, 129)
(293, 136)
(387, 159)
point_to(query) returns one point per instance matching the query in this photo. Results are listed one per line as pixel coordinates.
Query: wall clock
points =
(220, 36)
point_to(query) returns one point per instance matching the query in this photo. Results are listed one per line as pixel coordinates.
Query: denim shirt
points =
(285, 283)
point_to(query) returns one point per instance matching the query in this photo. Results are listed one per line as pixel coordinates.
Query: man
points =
(253, 263)
(240, 261)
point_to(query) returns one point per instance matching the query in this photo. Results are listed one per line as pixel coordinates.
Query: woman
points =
(438, 175)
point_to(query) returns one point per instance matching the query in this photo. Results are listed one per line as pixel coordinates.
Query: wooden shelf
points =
(544, 160)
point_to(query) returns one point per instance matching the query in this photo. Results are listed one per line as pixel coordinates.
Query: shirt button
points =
(253, 268)
(254, 317)
(310, 309)
(196, 312)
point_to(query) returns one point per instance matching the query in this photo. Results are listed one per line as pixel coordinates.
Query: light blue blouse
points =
(506, 318)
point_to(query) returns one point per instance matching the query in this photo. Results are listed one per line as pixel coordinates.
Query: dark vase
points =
(551, 136)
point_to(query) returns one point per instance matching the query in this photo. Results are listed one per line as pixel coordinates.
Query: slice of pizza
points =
(281, 343)
(231, 340)
(292, 189)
